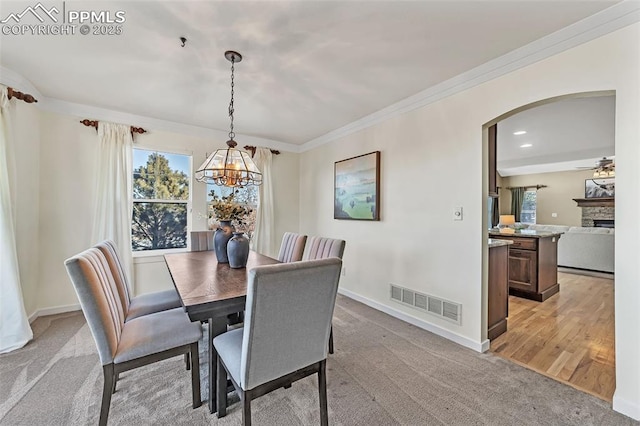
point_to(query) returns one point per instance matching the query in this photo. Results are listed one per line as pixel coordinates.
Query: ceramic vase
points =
(238, 250)
(221, 238)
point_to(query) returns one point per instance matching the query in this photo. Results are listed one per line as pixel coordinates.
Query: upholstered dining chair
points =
(143, 304)
(123, 346)
(292, 247)
(288, 316)
(322, 248)
(202, 240)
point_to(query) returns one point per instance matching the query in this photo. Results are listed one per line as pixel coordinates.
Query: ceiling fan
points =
(604, 167)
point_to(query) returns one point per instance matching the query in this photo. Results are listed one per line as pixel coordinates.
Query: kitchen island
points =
(533, 263)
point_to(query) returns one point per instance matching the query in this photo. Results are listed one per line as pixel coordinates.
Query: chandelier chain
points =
(231, 109)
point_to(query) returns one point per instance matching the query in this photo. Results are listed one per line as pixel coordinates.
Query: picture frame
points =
(600, 188)
(356, 188)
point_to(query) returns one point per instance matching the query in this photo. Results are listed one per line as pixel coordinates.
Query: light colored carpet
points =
(384, 372)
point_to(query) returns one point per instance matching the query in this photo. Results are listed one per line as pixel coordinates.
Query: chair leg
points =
(195, 375)
(246, 409)
(331, 340)
(187, 361)
(221, 388)
(107, 389)
(115, 382)
(322, 391)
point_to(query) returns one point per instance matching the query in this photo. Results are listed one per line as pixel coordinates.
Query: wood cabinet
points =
(498, 293)
(533, 265)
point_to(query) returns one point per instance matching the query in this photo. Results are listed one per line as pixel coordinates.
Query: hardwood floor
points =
(569, 337)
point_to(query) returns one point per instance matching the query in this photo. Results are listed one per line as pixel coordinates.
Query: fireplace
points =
(597, 212)
(604, 223)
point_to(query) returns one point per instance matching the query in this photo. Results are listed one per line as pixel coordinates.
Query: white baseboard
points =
(52, 311)
(628, 408)
(456, 338)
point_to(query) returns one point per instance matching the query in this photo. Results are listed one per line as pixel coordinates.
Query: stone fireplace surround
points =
(589, 214)
(597, 209)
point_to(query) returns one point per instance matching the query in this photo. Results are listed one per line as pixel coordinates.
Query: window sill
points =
(151, 256)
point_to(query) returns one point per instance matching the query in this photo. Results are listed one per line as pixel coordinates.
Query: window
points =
(160, 200)
(528, 213)
(248, 196)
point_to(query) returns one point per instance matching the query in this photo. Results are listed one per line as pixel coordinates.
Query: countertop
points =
(498, 243)
(525, 233)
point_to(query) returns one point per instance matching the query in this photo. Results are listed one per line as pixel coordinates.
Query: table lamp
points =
(506, 222)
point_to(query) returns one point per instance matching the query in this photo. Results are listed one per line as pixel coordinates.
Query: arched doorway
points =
(569, 336)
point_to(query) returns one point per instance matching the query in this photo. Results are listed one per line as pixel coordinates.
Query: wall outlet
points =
(554, 214)
(344, 271)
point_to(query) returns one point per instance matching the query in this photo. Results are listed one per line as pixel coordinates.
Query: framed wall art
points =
(600, 188)
(357, 188)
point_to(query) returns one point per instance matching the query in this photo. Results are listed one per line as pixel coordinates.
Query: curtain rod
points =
(94, 123)
(253, 150)
(13, 93)
(524, 186)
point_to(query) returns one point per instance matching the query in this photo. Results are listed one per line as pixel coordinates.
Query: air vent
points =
(407, 296)
(396, 293)
(442, 308)
(420, 301)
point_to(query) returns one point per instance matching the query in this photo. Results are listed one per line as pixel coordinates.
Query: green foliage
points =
(159, 225)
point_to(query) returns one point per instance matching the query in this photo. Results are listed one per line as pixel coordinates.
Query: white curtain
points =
(264, 233)
(15, 330)
(114, 192)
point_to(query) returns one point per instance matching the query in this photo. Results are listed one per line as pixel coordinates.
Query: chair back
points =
(287, 318)
(99, 298)
(202, 240)
(322, 248)
(110, 252)
(292, 247)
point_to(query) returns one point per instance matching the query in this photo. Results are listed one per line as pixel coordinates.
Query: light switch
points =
(457, 213)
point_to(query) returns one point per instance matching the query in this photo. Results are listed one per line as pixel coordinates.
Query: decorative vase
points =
(238, 250)
(220, 239)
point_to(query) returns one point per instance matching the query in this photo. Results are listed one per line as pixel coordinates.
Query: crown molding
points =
(11, 78)
(611, 19)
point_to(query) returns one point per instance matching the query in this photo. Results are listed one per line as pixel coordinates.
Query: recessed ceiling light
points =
(526, 145)
(520, 132)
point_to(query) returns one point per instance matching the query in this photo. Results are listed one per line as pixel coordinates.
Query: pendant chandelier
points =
(230, 167)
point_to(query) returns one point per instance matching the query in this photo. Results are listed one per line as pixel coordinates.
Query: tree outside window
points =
(160, 200)
(528, 213)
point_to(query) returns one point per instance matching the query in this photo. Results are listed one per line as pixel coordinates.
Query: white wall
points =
(432, 161)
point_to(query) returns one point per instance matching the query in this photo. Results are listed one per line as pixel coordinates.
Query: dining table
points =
(210, 291)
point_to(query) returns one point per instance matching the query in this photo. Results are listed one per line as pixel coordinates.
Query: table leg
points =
(216, 326)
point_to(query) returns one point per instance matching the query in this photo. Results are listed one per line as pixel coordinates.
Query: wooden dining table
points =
(210, 291)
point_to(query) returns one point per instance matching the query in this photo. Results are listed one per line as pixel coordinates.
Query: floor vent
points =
(442, 308)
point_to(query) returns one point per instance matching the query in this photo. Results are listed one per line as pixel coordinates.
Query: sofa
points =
(584, 248)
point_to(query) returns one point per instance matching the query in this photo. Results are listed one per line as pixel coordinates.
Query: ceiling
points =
(564, 135)
(309, 67)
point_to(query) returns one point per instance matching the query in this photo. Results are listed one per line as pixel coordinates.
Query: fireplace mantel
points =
(595, 202)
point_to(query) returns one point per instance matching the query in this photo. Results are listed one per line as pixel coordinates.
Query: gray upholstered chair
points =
(127, 345)
(143, 304)
(292, 247)
(322, 248)
(202, 240)
(288, 319)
